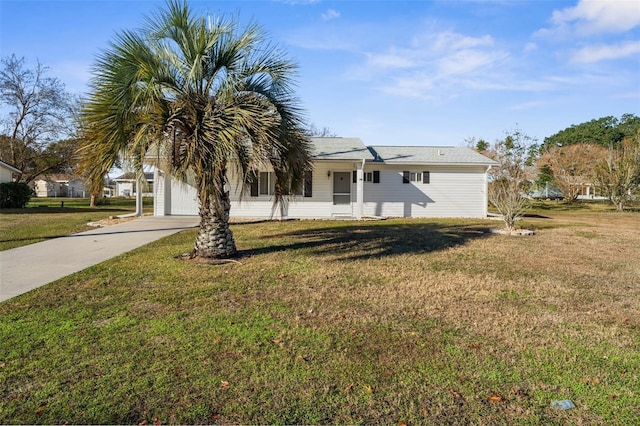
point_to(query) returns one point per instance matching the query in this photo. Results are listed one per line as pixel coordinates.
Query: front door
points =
(341, 194)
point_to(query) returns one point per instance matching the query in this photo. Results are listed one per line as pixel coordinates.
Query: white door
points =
(341, 194)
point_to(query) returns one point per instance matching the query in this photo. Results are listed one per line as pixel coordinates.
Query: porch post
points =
(139, 187)
(359, 190)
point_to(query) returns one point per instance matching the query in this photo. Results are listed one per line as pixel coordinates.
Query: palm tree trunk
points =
(215, 240)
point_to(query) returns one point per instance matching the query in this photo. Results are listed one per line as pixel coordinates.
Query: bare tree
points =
(509, 182)
(572, 166)
(38, 112)
(618, 175)
(313, 131)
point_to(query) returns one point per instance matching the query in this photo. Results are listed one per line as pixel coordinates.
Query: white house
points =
(7, 171)
(63, 185)
(351, 180)
(126, 185)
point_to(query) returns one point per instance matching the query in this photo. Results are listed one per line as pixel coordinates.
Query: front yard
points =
(396, 321)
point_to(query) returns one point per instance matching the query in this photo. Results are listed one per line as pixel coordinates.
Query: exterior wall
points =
(452, 191)
(5, 175)
(124, 188)
(77, 189)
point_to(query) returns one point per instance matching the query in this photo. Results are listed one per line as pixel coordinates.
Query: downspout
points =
(486, 192)
(139, 186)
(360, 191)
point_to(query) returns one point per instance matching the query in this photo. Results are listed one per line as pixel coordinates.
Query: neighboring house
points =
(351, 180)
(62, 185)
(7, 171)
(126, 185)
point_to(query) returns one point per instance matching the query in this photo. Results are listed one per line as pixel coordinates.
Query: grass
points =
(397, 321)
(45, 218)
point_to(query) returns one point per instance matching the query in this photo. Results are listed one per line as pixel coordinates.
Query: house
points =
(7, 171)
(126, 185)
(352, 180)
(62, 185)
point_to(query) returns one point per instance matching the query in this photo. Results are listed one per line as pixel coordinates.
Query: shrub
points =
(14, 195)
(102, 201)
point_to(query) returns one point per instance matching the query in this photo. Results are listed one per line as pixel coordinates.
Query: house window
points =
(307, 187)
(264, 183)
(267, 183)
(368, 176)
(418, 177)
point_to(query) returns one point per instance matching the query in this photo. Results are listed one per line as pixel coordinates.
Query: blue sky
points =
(395, 72)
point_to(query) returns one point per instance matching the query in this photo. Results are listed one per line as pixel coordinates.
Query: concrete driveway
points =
(24, 268)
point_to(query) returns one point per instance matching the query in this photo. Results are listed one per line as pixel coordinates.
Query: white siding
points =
(452, 192)
(183, 199)
(5, 175)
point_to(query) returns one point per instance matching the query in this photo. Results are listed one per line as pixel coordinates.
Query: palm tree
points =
(209, 99)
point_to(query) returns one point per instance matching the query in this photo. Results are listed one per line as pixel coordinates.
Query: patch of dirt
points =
(111, 220)
(515, 232)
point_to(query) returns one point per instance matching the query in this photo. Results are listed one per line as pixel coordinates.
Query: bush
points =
(14, 195)
(102, 201)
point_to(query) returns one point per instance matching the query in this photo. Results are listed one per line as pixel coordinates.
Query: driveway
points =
(24, 268)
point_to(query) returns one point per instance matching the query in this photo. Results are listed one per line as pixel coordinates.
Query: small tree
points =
(572, 166)
(510, 181)
(37, 111)
(618, 175)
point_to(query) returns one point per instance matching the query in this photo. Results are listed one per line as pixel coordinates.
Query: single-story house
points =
(63, 185)
(126, 185)
(7, 171)
(352, 180)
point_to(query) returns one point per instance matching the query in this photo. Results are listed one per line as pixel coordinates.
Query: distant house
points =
(7, 171)
(352, 180)
(126, 185)
(61, 185)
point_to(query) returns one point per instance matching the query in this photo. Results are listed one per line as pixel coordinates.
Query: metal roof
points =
(351, 149)
(432, 155)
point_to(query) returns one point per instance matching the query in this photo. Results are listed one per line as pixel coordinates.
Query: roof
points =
(130, 176)
(10, 167)
(60, 177)
(431, 155)
(350, 149)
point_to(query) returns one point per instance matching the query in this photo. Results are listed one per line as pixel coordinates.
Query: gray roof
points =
(431, 155)
(351, 149)
(10, 167)
(131, 176)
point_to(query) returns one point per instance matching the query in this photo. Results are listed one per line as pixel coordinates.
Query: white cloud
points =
(591, 54)
(594, 17)
(330, 14)
(436, 65)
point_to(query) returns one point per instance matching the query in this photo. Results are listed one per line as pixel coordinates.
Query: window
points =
(264, 183)
(418, 177)
(373, 176)
(267, 183)
(307, 187)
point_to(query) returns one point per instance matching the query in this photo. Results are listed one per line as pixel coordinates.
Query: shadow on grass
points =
(364, 241)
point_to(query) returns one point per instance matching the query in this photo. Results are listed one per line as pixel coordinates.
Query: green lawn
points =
(45, 218)
(396, 321)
